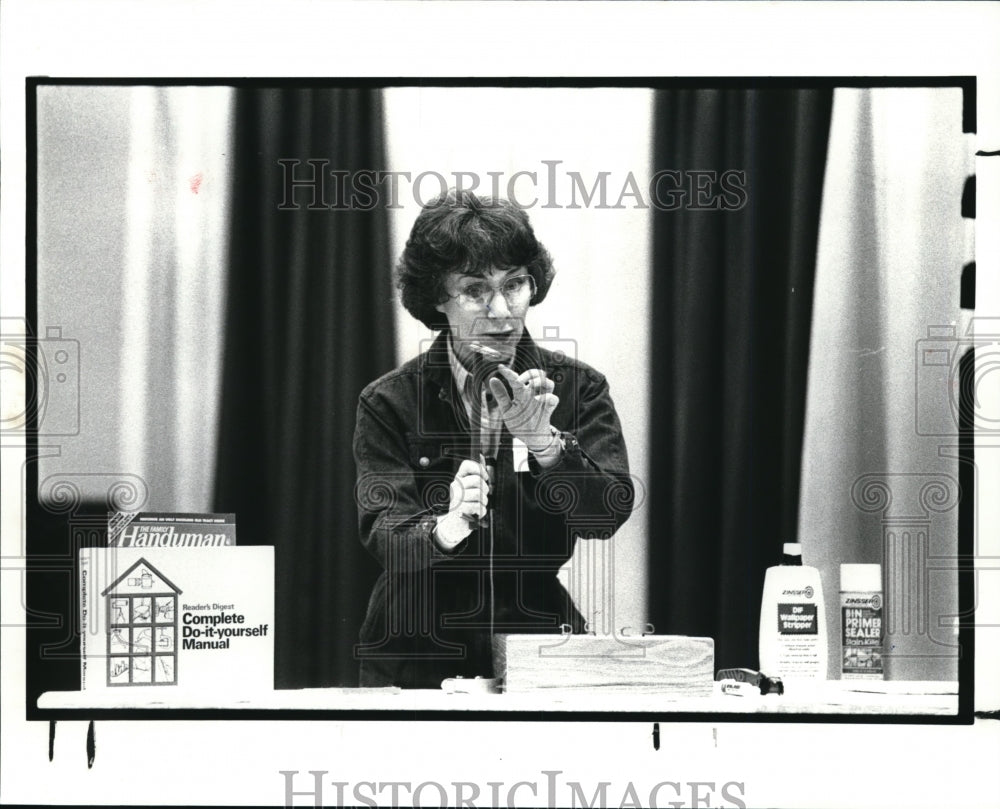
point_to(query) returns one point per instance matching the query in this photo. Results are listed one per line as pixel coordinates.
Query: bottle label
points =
(797, 619)
(861, 628)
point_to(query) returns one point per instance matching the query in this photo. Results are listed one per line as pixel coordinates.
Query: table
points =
(830, 698)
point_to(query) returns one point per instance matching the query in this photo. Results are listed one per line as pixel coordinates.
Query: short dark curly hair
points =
(463, 232)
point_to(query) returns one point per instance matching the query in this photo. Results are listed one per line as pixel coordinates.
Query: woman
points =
(481, 461)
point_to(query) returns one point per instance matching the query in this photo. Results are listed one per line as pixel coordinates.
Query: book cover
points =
(197, 619)
(170, 530)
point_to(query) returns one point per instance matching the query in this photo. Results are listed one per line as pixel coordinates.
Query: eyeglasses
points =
(515, 290)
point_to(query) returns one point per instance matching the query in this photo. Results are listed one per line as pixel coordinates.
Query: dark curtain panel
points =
(309, 323)
(732, 300)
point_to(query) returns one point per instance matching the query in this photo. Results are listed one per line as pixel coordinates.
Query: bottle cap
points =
(861, 578)
(791, 549)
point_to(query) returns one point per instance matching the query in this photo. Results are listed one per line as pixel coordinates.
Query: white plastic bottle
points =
(793, 620)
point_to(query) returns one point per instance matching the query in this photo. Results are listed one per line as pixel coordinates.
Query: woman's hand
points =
(470, 492)
(528, 412)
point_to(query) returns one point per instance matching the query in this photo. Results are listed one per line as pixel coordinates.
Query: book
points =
(170, 530)
(195, 619)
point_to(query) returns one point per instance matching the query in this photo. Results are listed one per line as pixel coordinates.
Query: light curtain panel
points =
(133, 192)
(879, 467)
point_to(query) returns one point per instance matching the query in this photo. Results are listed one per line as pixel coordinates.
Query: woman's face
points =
(487, 308)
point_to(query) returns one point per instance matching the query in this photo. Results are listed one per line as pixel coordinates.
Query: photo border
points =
(965, 550)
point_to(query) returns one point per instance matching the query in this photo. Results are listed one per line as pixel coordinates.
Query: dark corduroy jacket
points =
(432, 614)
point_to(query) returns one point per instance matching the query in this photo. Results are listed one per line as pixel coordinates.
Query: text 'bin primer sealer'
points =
(793, 620)
(861, 624)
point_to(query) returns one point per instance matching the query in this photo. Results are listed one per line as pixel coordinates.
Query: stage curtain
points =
(881, 476)
(731, 305)
(309, 323)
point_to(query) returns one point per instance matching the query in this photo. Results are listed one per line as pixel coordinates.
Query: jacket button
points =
(424, 460)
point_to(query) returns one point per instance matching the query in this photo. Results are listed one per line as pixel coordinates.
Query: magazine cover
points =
(170, 530)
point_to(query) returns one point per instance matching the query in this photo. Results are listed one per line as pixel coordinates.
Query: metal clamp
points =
(631, 632)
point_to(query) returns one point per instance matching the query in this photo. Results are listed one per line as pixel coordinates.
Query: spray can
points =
(861, 622)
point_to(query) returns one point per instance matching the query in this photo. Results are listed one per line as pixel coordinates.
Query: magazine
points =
(170, 530)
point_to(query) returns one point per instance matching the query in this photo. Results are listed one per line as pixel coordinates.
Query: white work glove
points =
(470, 492)
(527, 413)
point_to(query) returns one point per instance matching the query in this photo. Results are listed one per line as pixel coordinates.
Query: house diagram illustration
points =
(141, 608)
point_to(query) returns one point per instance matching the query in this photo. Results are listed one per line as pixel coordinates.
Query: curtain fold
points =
(309, 323)
(174, 251)
(732, 298)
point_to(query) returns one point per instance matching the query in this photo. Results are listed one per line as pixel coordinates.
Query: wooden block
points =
(672, 664)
